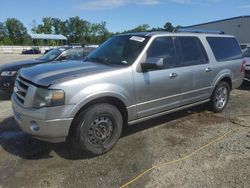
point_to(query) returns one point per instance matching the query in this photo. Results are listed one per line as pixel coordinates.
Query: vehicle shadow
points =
(129, 130)
(245, 86)
(5, 97)
(15, 141)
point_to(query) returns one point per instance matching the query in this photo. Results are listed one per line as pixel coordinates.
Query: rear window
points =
(225, 49)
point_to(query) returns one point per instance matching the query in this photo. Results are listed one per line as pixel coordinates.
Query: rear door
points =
(195, 69)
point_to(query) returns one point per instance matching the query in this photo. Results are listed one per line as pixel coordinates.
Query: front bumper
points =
(32, 122)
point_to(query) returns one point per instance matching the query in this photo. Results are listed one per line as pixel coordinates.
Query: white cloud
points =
(182, 1)
(110, 4)
(149, 2)
(196, 1)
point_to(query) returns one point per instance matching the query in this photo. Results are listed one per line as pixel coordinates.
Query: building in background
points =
(237, 26)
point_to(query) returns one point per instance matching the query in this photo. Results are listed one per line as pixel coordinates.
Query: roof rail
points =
(186, 30)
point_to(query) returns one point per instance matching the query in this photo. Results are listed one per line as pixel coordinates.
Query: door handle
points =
(208, 69)
(172, 75)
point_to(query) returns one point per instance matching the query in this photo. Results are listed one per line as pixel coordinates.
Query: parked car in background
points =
(128, 79)
(246, 52)
(32, 51)
(46, 51)
(8, 71)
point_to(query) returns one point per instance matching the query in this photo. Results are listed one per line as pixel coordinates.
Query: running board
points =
(247, 79)
(167, 112)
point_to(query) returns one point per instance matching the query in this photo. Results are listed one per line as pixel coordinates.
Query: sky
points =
(122, 15)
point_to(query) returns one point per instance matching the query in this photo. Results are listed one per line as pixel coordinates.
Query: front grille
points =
(20, 89)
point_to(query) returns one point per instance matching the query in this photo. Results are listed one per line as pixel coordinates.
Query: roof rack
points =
(186, 30)
(74, 45)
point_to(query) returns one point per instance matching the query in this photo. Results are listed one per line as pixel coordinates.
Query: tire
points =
(220, 97)
(97, 129)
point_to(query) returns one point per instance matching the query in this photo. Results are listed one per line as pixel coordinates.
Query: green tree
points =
(99, 33)
(104, 34)
(3, 32)
(45, 27)
(17, 33)
(169, 27)
(139, 28)
(58, 25)
(78, 30)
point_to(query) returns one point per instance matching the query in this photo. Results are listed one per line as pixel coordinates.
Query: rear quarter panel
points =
(223, 69)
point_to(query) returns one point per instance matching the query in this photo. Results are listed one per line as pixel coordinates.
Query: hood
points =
(49, 73)
(19, 64)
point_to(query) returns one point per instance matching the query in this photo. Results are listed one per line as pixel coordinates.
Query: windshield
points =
(51, 55)
(246, 53)
(119, 50)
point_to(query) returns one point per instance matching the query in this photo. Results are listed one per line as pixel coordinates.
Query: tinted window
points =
(74, 54)
(192, 51)
(163, 48)
(119, 50)
(52, 54)
(225, 48)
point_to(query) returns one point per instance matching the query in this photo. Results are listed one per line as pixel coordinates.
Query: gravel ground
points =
(26, 162)
(7, 58)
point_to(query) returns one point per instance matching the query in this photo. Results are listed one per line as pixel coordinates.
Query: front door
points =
(158, 90)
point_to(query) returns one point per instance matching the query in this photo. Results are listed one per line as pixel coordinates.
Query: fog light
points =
(34, 127)
(6, 84)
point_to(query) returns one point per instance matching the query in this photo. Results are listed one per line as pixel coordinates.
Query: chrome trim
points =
(22, 81)
(247, 79)
(168, 97)
(18, 94)
(20, 87)
(63, 119)
(167, 112)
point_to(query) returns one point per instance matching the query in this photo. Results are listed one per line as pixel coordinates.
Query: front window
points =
(119, 50)
(163, 48)
(51, 55)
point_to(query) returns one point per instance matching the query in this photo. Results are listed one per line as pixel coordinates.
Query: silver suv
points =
(128, 79)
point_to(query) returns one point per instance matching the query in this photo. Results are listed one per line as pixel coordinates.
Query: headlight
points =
(48, 98)
(8, 73)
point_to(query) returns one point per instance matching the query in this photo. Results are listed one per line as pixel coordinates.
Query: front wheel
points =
(98, 128)
(220, 97)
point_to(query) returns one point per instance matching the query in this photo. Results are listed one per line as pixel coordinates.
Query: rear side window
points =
(192, 51)
(74, 54)
(225, 49)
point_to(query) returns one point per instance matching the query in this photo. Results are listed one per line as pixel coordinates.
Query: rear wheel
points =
(98, 128)
(220, 97)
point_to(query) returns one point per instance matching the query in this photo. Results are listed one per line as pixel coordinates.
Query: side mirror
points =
(152, 64)
(62, 57)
